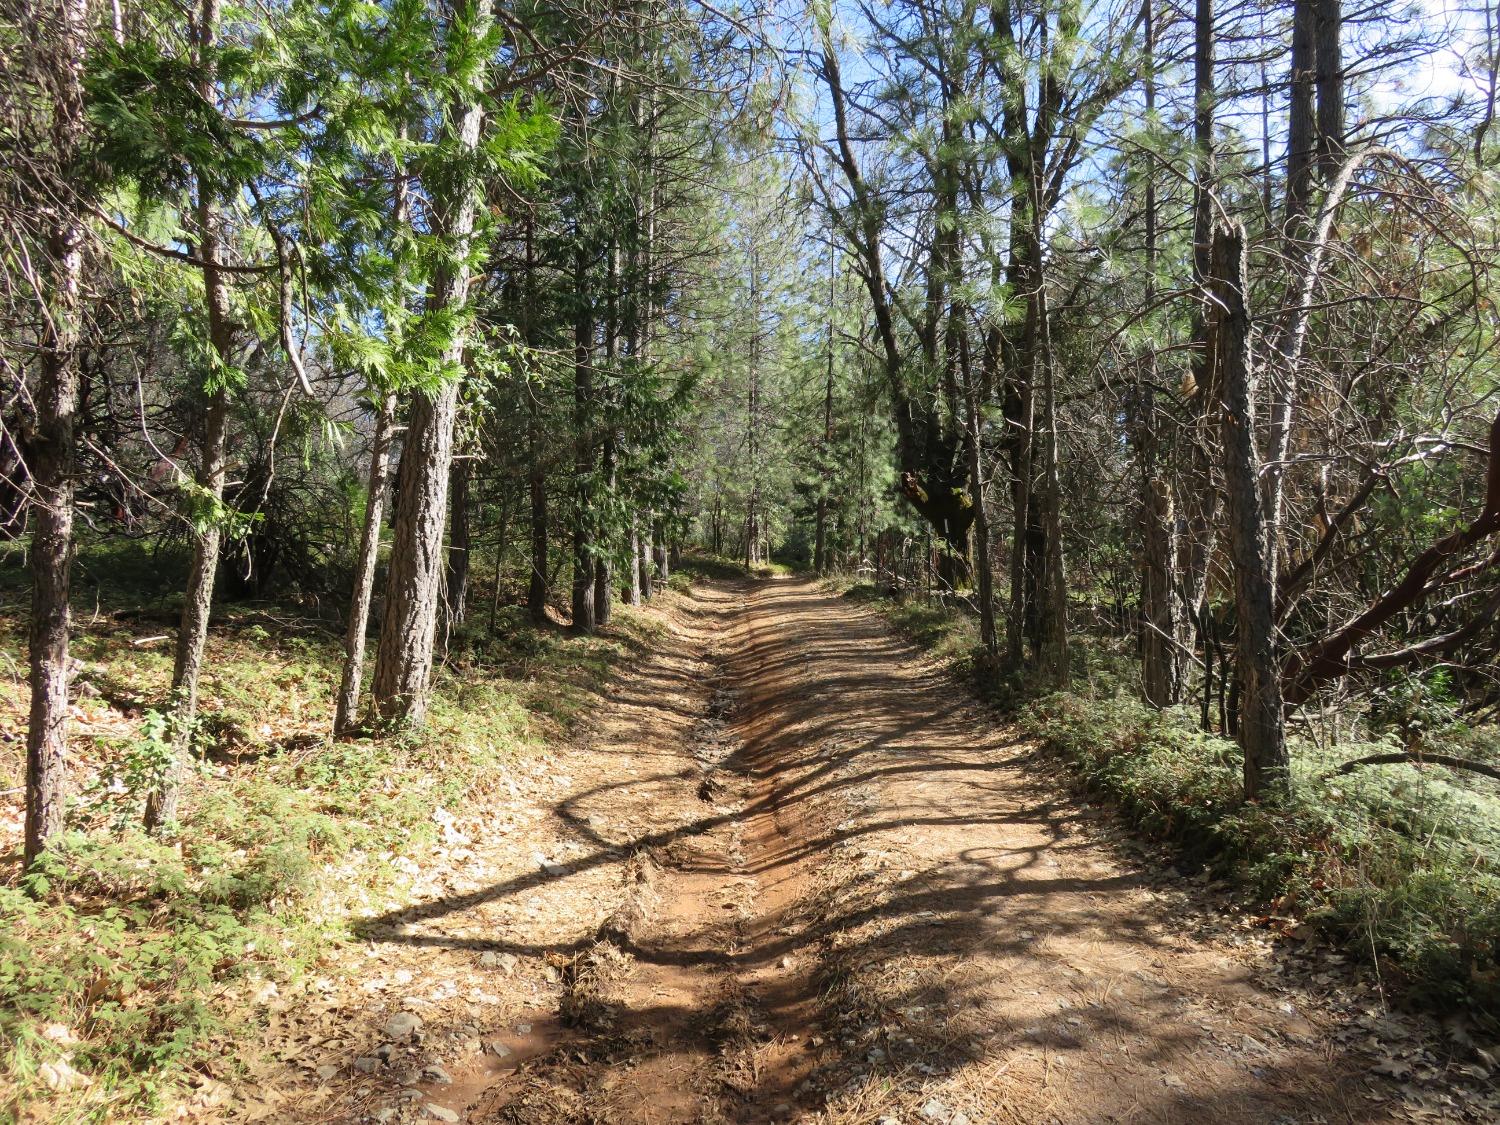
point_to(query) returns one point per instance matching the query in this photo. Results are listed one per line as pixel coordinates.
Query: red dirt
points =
(805, 878)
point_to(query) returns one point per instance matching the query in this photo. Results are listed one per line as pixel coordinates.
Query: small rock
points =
(500, 1050)
(960, 1118)
(384, 1052)
(60, 1075)
(523, 1029)
(934, 1110)
(505, 962)
(438, 1074)
(59, 1033)
(366, 1064)
(441, 1112)
(547, 865)
(384, 1115)
(403, 1025)
(327, 1071)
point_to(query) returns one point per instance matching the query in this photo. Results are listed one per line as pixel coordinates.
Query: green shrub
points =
(1396, 862)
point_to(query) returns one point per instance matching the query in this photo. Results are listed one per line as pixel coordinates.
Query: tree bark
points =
(583, 451)
(648, 554)
(820, 527)
(502, 541)
(456, 580)
(603, 563)
(403, 660)
(538, 586)
(1055, 605)
(192, 634)
(1301, 148)
(49, 447)
(984, 564)
(1260, 729)
(1200, 501)
(633, 591)
(1306, 256)
(1163, 632)
(930, 480)
(404, 656)
(347, 711)
(1330, 87)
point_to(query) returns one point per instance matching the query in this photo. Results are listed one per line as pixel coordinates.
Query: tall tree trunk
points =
(1055, 604)
(1319, 67)
(502, 540)
(648, 583)
(752, 421)
(347, 710)
(633, 591)
(49, 446)
(603, 566)
(1201, 494)
(456, 581)
(536, 484)
(403, 660)
(984, 564)
(1164, 633)
(192, 633)
(538, 586)
(1260, 729)
(583, 450)
(1022, 604)
(820, 528)
(404, 656)
(1329, 55)
(1301, 147)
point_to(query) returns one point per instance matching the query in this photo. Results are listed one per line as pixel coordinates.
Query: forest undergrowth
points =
(125, 960)
(1395, 865)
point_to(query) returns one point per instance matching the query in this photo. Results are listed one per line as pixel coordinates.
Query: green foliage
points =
(150, 952)
(1393, 861)
(1417, 708)
(151, 125)
(139, 767)
(110, 941)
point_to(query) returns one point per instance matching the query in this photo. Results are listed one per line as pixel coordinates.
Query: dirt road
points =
(795, 875)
